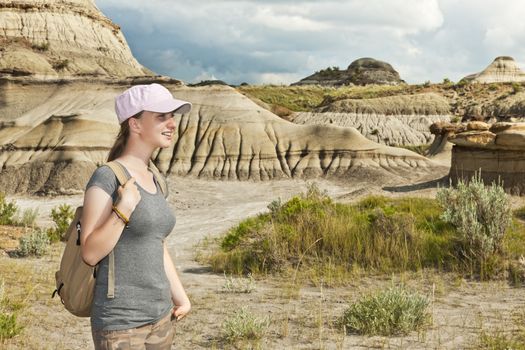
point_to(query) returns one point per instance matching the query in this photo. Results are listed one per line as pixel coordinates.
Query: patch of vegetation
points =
(501, 341)
(36, 243)
(332, 241)
(516, 87)
(481, 214)
(27, 219)
(239, 285)
(62, 216)
(44, 46)
(419, 149)
(307, 98)
(9, 326)
(511, 337)
(7, 211)
(394, 311)
(61, 64)
(244, 325)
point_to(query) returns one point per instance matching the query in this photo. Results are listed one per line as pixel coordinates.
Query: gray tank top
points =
(142, 290)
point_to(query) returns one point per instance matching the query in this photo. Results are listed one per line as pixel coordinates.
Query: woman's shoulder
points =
(104, 178)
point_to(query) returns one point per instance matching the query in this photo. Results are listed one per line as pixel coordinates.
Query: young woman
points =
(133, 221)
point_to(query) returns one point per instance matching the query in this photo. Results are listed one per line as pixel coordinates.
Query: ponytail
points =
(122, 139)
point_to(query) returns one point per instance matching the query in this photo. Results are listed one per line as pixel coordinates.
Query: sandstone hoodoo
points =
(502, 69)
(360, 72)
(494, 150)
(62, 39)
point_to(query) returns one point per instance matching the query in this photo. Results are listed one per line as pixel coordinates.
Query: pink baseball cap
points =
(153, 97)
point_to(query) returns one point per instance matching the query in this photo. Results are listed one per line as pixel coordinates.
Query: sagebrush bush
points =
(394, 311)
(239, 285)
(7, 210)
(28, 218)
(62, 216)
(244, 325)
(35, 243)
(480, 213)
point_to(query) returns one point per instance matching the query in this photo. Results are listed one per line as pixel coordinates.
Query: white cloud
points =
(282, 41)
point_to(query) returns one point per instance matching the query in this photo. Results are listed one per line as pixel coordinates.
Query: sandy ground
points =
(300, 318)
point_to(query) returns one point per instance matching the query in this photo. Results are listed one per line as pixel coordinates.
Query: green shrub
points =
(244, 325)
(35, 243)
(481, 215)
(8, 324)
(394, 311)
(62, 216)
(7, 210)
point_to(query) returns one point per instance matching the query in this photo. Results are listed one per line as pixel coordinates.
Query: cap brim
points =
(171, 105)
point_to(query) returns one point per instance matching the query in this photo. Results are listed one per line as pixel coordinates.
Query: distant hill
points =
(503, 69)
(363, 71)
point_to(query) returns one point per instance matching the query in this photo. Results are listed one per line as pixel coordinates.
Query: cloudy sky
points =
(271, 41)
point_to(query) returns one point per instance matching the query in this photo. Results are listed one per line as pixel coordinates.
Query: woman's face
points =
(157, 128)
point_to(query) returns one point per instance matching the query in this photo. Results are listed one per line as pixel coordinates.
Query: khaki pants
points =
(153, 336)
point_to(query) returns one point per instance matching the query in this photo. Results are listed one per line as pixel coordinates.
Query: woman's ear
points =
(134, 125)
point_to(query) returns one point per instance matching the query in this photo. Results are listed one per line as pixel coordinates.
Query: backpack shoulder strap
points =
(159, 177)
(119, 171)
(122, 178)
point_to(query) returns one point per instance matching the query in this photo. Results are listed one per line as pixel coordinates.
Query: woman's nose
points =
(171, 123)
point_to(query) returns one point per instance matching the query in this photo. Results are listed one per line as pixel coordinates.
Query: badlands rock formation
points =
(502, 69)
(63, 63)
(52, 147)
(62, 38)
(496, 150)
(362, 71)
(395, 120)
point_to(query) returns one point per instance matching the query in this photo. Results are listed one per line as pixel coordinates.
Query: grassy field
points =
(469, 100)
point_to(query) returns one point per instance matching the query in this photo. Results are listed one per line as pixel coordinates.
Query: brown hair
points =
(122, 139)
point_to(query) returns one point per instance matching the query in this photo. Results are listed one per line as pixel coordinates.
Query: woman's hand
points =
(180, 311)
(129, 197)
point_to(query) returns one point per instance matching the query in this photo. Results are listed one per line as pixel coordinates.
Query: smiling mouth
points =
(167, 133)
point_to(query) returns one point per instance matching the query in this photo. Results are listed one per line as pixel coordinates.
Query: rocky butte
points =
(362, 71)
(63, 62)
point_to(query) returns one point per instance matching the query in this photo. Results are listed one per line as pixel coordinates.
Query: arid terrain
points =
(302, 315)
(353, 132)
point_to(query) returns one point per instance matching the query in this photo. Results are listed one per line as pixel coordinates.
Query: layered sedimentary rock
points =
(362, 71)
(62, 38)
(52, 147)
(396, 120)
(502, 69)
(496, 151)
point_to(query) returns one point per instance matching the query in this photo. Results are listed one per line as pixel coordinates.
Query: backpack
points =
(75, 280)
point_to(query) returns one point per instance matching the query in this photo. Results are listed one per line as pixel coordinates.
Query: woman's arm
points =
(178, 295)
(101, 228)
